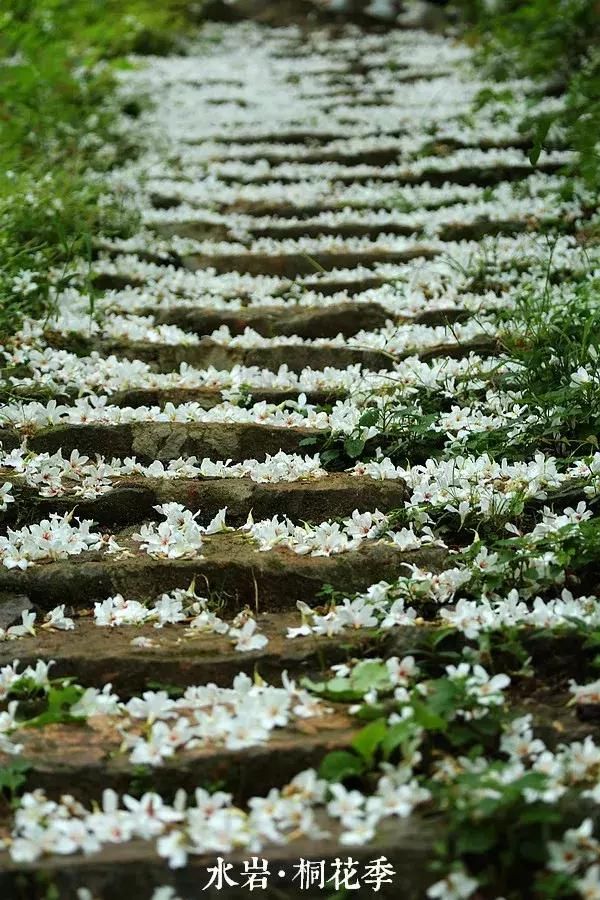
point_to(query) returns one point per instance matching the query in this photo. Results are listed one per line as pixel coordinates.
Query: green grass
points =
(558, 43)
(57, 112)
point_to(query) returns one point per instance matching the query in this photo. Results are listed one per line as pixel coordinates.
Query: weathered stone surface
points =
(293, 264)
(437, 177)
(166, 358)
(9, 439)
(97, 656)
(133, 870)
(133, 499)
(327, 285)
(170, 440)
(11, 607)
(329, 321)
(84, 759)
(230, 569)
(207, 398)
(453, 231)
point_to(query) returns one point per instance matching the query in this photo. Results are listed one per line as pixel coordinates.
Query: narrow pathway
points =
(318, 213)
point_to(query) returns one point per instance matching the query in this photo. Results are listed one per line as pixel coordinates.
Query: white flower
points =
(346, 805)
(56, 619)
(26, 626)
(151, 705)
(165, 893)
(397, 615)
(177, 537)
(143, 643)
(118, 611)
(168, 609)
(586, 693)
(401, 671)
(217, 524)
(356, 613)
(97, 703)
(578, 847)
(470, 617)
(246, 638)
(361, 832)
(455, 886)
(588, 887)
(5, 495)
(150, 814)
(53, 538)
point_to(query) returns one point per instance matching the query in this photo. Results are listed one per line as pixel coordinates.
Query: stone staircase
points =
(278, 181)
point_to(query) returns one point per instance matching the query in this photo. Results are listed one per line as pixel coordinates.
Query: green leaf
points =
(340, 764)
(541, 133)
(444, 696)
(338, 689)
(440, 635)
(338, 685)
(60, 700)
(12, 777)
(395, 736)
(369, 675)
(427, 718)
(369, 418)
(540, 813)
(367, 712)
(328, 456)
(317, 687)
(369, 738)
(533, 850)
(460, 735)
(25, 687)
(475, 838)
(354, 446)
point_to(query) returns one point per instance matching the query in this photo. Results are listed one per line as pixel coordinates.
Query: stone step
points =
(369, 130)
(339, 132)
(317, 156)
(134, 869)
(96, 656)
(299, 135)
(308, 322)
(290, 265)
(329, 321)
(132, 499)
(211, 397)
(329, 284)
(83, 760)
(189, 190)
(453, 231)
(484, 177)
(231, 569)
(200, 230)
(149, 441)
(298, 357)
(207, 398)
(168, 357)
(105, 281)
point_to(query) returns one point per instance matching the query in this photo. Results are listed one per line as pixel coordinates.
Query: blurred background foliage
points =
(57, 123)
(59, 115)
(556, 42)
